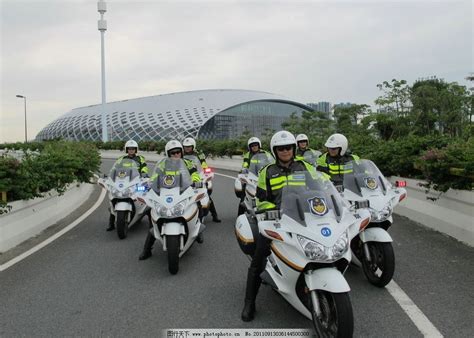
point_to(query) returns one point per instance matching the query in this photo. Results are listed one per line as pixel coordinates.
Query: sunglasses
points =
(174, 152)
(282, 148)
(253, 145)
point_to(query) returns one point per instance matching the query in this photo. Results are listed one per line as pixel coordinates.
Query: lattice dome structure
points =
(206, 114)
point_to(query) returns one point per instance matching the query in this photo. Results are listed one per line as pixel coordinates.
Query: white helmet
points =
(282, 138)
(254, 140)
(302, 137)
(173, 144)
(131, 144)
(189, 142)
(337, 141)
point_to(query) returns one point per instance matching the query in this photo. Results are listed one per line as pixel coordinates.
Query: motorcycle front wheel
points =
(173, 246)
(122, 226)
(336, 318)
(379, 271)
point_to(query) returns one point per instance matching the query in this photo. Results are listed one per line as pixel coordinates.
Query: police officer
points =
(304, 152)
(335, 162)
(131, 150)
(173, 149)
(254, 146)
(271, 180)
(189, 145)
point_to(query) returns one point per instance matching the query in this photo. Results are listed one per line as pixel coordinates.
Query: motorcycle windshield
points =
(258, 161)
(196, 161)
(311, 156)
(171, 173)
(310, 195)
(125, 169)
(365, 178)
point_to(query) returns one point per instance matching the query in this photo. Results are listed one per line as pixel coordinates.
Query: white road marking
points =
(19, 258)
(232, 177)
(414, 313)
(408, 306)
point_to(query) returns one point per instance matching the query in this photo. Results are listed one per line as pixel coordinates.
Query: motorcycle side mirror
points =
(104, 176)
(362, 204)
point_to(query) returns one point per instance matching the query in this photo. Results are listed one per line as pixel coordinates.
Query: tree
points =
(396, 97)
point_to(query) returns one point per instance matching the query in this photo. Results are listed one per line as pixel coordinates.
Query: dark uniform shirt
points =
(336, 167)
(248, 157)
(273, 178)
(143, 169)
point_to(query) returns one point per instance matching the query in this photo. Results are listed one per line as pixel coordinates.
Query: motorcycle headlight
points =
(341, 246)
(316, 251)
(313, 250)
(380, 216)
(178, 209)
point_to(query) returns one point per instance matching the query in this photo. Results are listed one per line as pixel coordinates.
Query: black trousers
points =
(262, 251)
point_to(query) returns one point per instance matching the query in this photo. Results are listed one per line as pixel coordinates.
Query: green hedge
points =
(57, 165)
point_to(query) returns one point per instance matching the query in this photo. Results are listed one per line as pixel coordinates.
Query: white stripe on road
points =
(55, 236)
(414, 313)
(232, 177)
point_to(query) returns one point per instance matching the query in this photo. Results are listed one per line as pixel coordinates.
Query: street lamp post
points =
(102, 25)
(26, 133)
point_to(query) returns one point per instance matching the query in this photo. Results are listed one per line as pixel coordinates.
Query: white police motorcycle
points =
(124, 185)
(372, 247)
(174, 208)
(310, 250)
(245, 185)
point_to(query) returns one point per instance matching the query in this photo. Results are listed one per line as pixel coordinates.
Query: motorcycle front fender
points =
(375, 235)
(123, 206)
(172, 228)
(327, 279)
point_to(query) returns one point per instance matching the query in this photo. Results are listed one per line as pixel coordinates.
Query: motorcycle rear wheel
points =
(173, 246)
(380, 270)
(122, 226)
(336, 318)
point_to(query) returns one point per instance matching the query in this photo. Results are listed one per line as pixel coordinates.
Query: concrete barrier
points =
(452, 213)
(28, 218)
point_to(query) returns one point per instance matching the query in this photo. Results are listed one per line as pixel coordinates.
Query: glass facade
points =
(253, 117)
(208, 114)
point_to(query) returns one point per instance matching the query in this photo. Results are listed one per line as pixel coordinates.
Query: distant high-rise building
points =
(323, 107)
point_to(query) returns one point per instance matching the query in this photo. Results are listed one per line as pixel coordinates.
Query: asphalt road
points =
(90, 283)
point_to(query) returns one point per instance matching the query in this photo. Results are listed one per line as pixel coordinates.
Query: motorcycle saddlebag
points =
(246, 231)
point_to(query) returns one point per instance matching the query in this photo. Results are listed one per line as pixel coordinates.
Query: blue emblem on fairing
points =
(121, 185)
(326, 232)
(169, 199)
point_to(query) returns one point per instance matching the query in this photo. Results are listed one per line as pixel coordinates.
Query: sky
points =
(307, 51)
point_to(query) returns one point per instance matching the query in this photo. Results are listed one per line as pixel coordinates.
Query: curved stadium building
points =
(204, 114)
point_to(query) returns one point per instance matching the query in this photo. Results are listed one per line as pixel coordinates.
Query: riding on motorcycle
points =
(366, 186)
(124, 185)
(173, 199)
(310, 236)
(245, 185)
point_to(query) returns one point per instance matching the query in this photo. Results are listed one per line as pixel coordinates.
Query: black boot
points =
(111, 223)
(146, 253)
(200, 238)
(213, 211)
(253, 284)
